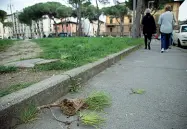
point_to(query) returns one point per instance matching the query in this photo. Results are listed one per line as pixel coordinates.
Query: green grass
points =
(5, 43)
(13, 88)
(74, 52)
(7, 69)
(29, 113)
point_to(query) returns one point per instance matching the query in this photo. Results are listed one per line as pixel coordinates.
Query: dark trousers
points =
(165, 41)
(171, 39)
(147, 40)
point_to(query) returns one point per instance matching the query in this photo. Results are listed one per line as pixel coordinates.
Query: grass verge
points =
(5, 43)
(75, 52)
(7, 69)
(14, 88)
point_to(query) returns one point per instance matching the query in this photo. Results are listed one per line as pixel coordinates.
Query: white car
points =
(180, 36)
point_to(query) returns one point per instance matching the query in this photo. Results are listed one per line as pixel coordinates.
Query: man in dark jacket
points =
(149, 27)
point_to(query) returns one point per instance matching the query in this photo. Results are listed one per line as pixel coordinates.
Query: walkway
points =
(163, 106)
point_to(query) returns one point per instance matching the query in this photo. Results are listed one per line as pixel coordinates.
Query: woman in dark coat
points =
(149, 27)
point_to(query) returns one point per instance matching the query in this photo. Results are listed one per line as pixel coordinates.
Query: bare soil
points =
(24, 76)
(19, 51)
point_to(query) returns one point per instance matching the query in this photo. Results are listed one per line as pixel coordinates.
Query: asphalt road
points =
(163, 106)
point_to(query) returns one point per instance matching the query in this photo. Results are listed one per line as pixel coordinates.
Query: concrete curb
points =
(51, 89)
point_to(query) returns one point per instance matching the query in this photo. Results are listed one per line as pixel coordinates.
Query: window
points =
(184, 29)
(111, 20)
(110, 29)
(130, 20)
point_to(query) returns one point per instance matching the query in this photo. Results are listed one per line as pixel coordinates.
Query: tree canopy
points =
(3, 16)
(25, 18)
(63, 12)
(117, 11)
(158, 4)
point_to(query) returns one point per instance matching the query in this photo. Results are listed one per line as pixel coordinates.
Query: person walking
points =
(149, 27)
(166, 28)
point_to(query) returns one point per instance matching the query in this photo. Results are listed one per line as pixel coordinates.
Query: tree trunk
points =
(30, 30)
(66, 26)
(121, 25)
(62, 26)
(56, 31)
(133, 28)
(98, 25)
(38, 29)
(136, 23)
(79, 17)
(98, 28)
(77, 27)
(77, 21)
(119, 22)
(3, 32)
(142, 15)
(24, 33)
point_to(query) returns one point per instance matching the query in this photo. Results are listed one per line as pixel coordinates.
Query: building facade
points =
(20, 30)
(113, 27)
(67, 27)
(88, 28)
(1, 31)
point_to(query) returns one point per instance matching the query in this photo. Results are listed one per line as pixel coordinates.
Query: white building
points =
(90, 29)
(45, 26)
(20, 30)
(1, 30)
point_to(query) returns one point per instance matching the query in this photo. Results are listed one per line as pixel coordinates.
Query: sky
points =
(20, 4)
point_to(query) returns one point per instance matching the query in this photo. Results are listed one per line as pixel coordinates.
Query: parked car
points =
(51, 35)
(180, 36)
(63, 34)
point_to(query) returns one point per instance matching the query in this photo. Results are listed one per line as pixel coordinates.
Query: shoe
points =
(169, 47)
(149, 47)
(149, 41)
(167, 50)
(145, 47)
(162, 50)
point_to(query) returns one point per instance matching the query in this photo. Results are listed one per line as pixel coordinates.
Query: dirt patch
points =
(19, 51)
(24, 76)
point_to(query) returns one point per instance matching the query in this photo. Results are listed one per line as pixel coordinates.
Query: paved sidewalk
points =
(163, 106)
